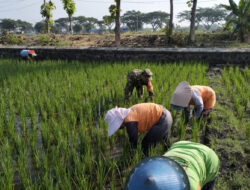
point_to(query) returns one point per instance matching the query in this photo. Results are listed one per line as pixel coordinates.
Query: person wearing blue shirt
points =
(28, 54)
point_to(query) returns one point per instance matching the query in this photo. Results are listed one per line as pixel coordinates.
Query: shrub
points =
(43, 40)
(12, 39)
(179, 38)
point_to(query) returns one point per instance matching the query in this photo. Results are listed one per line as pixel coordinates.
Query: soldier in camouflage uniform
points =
(137, 78)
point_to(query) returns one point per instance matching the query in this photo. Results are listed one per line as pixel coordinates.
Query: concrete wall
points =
(217, 56)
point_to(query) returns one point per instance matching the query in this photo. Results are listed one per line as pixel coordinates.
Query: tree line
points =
(236, 16)
(133, 20)
(239, 17)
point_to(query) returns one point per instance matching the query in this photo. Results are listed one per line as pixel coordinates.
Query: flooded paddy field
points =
(53, 134)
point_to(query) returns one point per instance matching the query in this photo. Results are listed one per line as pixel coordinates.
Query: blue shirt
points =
(196, 97)
(24, 53)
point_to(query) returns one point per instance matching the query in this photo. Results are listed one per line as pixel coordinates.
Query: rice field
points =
(52, 129)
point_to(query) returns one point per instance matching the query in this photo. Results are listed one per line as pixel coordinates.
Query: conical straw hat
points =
(182, 95)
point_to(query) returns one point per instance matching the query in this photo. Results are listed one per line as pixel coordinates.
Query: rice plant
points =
(52, 127)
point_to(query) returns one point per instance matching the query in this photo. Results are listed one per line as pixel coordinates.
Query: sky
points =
(29, 10)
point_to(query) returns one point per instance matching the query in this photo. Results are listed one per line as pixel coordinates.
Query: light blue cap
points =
(157, 173)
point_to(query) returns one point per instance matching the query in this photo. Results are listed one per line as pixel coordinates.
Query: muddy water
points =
(30, 167)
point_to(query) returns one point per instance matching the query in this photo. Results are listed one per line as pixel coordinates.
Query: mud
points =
(228, 141)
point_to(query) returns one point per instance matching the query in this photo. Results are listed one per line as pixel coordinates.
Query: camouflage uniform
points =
(134, 79)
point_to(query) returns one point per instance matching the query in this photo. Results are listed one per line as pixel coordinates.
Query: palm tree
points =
(117, 24)
(115, 16)
(192, 24)
(170, 21)
(240, 16)
(69, 7)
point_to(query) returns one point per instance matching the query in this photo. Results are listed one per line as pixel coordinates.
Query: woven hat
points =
(114, 118)
(182, 95)
(157, 173)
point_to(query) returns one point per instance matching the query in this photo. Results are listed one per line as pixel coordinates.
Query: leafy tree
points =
(240, 16)
(210, 16)
(133, 20)
(61, 24)
(87, 22)
(40, 26)
(77, 28)
(70, 7)
(80, 19)
(46, 11)
(90, 23)
(8, 24)
(108, 22)
(24, 26)
(186, 16)
(207, 16)
(157, 19)
(101, 25)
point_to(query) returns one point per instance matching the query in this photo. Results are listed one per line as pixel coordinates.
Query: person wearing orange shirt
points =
(202, 97)
(145, 117)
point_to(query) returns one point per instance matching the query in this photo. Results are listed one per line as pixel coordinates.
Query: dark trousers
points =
(210, 185)
(204, 114)
(158, 132)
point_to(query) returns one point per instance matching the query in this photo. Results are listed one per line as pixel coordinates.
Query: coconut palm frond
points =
(234, 7)
(244, 6)
(226, 7)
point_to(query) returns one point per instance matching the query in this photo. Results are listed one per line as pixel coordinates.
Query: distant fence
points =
(213, 56)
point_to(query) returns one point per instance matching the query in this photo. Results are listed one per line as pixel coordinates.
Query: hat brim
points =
(163, 171)
(114, 125)
(182, 95)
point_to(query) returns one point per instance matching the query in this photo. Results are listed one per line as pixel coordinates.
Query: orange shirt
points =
(150, 86)
(146, 114)
(207, 95)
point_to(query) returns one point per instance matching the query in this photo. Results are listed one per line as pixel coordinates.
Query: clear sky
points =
(29, 10)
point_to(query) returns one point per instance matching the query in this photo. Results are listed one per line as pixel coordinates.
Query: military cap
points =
(147, 73)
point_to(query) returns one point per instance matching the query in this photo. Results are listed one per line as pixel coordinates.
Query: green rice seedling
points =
(7, 170)
(45, 131)
(85, 183)
(33, 138)
(10, 125)
(88, 160)
(102, 173)
(248, 131)
(112, 164)
(196, 131)
(61, 106)
(22, 168)
(46, 178)
(181, 129)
